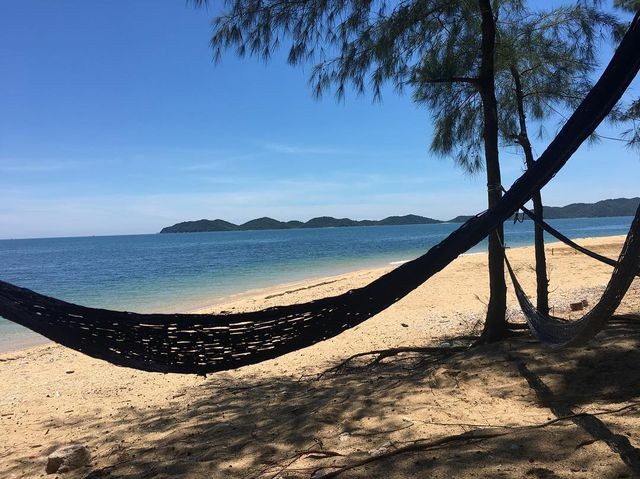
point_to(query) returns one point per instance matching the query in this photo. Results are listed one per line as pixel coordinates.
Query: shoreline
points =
(26, 342)
(278, 291)
(285, 288)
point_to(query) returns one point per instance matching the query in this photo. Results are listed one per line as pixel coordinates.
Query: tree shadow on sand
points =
(430, 413)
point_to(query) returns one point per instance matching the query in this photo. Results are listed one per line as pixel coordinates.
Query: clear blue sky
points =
(114, 120)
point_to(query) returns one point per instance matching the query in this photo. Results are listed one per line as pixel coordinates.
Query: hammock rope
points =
(559, 236)
(559, 333)
(201, 344)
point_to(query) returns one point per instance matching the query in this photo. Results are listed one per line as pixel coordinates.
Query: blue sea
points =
(181, 272)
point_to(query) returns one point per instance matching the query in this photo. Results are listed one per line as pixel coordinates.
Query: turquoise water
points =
(179, 272)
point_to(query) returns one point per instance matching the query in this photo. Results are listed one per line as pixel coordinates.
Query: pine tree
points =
(543, 62)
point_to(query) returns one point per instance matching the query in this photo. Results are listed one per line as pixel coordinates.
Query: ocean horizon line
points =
(121, 235)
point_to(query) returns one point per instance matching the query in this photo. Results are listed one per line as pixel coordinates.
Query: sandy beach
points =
(510, 410)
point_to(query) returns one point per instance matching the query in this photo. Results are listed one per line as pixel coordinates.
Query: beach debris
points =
(380, 450)
(404, 325)
(287, 475)
(68, 458)
(69, 371)
(579, 306)
(319, 473)
(444, 378)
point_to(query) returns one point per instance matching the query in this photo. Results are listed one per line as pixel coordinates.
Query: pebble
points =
(68, 458)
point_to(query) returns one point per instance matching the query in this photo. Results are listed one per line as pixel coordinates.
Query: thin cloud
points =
(213, 165)
(218, 164)
(302, 150)
(35, 166)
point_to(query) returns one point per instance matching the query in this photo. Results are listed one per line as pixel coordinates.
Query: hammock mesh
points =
(558, 333)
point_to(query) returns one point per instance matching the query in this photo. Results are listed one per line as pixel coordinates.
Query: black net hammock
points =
(556, 332)
(206, 343)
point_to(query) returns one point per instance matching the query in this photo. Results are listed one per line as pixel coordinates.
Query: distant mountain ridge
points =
(604, 208)
(267, 223)
(599, 209)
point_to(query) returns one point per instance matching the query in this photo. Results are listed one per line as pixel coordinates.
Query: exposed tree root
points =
(382, 354)
(308, 453)
(417, 445)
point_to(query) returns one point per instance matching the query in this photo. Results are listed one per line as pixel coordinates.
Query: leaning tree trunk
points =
(542, 281)
(495, 325)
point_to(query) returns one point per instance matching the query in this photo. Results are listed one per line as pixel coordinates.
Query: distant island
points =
(271, 224)
(600, 209)
(604, 208)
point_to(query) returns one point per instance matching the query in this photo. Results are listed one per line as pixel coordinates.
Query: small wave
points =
(395, 263)
(602, 228)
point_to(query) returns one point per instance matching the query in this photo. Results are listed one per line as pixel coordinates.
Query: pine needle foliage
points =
(357, 44)
(628, 5)
(630, 116)
(554, 54)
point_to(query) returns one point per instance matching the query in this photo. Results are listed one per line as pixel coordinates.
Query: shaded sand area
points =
(492, 411)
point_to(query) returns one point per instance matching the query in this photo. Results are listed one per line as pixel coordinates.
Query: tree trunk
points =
(495, 325)
(542, 281)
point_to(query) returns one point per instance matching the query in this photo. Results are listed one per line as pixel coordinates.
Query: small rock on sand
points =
(380, 450)
(68, 458)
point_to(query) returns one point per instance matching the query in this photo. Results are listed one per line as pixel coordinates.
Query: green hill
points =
(329, 222)
(600, 209)
(408, 220)
(264, 223)
(200, 225)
